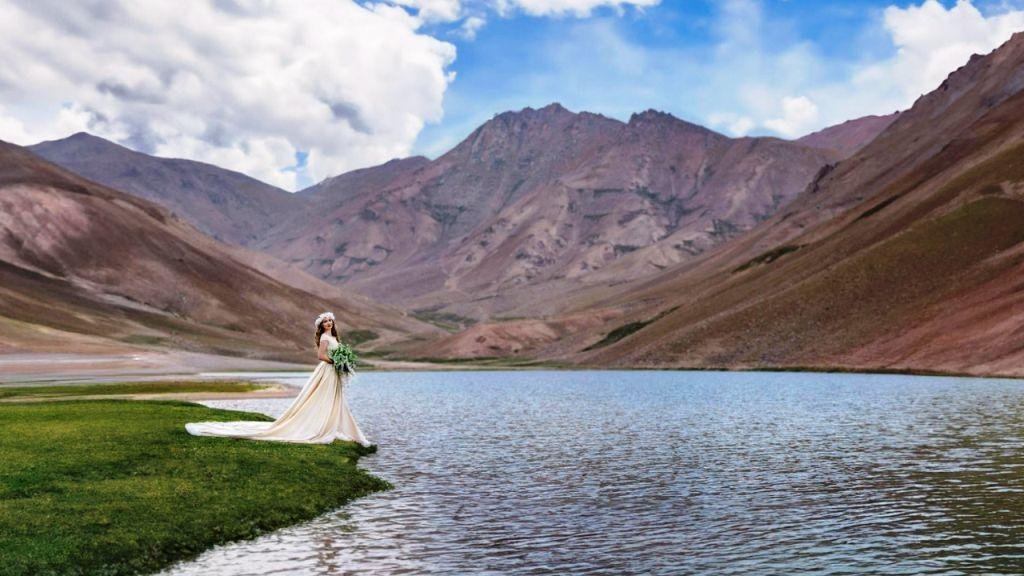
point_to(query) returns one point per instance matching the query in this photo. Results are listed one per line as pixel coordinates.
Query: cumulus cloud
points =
(434, 10)
(452, 10)
(755, 75)
(931, 41)
(790, 90)
(245, 84)
(732, 124)
(577, 8)
(470, 26)
(799, 114)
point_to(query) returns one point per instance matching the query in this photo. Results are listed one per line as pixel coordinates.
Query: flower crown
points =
(322, 317)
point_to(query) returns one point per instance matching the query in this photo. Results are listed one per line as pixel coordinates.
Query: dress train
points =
(318, 415)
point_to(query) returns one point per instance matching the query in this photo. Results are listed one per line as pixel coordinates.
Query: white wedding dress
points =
(318, 415)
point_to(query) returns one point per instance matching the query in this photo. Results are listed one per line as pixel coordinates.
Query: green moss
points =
(446, 320)
(444, 213)
(128, 388)
(1007, 166)
(627, 330)
(618, 334)
(873, 293)
(143, 339)
(119, 487)
(767, 257)
(355, 337)
(877, 208)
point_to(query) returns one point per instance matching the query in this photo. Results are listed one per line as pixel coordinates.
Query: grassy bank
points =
(119, 487)
(160, 387)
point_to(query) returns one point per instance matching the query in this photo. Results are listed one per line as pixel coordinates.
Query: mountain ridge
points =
(531, 204)
(227, 205)
(81, 257)
(534, 196)
(906, 256)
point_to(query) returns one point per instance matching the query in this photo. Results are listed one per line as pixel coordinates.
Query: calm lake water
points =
(667, 473)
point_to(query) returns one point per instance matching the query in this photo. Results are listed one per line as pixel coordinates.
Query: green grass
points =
(119, 487)
(877, 208)
(882, 289)
(618, 334)
(627, 329)
(1007, 166)
(355, 337)
(127, 388)
(445, 320)
(767, 257)
(144, 339)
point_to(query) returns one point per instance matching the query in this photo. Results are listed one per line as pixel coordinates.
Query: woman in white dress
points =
(318, 415)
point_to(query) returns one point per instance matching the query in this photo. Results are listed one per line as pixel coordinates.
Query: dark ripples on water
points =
(670, 473)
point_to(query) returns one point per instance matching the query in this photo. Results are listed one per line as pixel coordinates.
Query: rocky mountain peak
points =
(81, 141)
(513, 130)
(658, 119)
(651, 115)
(528, 115)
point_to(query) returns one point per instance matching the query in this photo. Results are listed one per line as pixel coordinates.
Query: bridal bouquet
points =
(344, 358)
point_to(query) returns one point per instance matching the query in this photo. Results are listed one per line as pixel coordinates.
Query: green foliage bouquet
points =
(344, 358)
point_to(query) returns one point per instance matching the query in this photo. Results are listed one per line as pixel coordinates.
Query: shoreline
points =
(110, 497)
(158, 441)
(47, 369)
(274, 390)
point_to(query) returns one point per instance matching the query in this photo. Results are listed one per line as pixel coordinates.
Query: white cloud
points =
(578, 8)
(931, 41)
(799, 114)
(434, 10)
(452, 10)
(733, 124)
(245, 84)
(470, 26)
(421, 12)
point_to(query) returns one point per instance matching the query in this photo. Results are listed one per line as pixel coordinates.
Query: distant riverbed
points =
(603, 472)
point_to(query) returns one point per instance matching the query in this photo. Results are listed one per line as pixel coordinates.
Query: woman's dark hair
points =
(320, 331)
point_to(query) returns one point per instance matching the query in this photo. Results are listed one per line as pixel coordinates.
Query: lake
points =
(662, 472)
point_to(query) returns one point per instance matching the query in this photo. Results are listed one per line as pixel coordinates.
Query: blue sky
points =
(697, 59)
(292, 92)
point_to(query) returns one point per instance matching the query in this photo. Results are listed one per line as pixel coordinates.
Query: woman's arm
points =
(321, 352)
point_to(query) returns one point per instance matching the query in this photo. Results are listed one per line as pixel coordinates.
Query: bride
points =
(318, 415)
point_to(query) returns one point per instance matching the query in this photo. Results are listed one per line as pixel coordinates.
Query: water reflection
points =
(668, 472)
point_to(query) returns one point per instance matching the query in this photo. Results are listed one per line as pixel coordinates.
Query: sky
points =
(293, 92)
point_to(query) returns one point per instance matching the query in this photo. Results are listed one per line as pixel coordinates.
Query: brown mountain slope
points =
(908, 255)
(226, 205)
(80, 257)
(850, 136)
(365, 180)
(533, 202)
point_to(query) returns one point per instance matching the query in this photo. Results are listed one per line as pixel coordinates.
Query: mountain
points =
(850, 136)
(374, 178)
(80, 257)
(909, 255)
(534, 203)
(227, 205)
